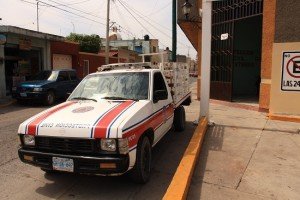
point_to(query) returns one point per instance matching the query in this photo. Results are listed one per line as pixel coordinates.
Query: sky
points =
(61, 17)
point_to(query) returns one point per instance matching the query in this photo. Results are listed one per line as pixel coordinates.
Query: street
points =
(21, 181)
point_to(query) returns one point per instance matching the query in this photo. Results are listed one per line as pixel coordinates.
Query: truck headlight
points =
(37, 89)
(123, 146)
(29, 140)
(108, 145)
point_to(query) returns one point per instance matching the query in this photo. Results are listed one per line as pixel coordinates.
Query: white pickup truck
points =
(110, 122)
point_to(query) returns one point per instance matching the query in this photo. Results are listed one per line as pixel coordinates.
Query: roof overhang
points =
(30, 33)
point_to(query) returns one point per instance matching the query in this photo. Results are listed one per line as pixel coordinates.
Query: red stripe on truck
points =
(102, 126)
(31, 128)
(135, 133)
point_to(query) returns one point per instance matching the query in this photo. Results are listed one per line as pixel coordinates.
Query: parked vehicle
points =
(47, 86)
(110, 122)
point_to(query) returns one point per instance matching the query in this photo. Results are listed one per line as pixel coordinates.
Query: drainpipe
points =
(174, 31)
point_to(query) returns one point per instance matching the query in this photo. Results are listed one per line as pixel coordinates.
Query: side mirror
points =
(160, 95)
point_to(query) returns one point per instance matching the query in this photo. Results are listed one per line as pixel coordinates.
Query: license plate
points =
(63, 164)
(23, 94)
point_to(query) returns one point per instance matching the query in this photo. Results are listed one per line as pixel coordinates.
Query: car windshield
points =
(113, 86)
(46, 75)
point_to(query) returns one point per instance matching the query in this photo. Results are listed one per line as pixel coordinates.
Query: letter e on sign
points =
(290, 78)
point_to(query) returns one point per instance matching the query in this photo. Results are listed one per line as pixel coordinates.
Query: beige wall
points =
(283, 102)
(61, 61)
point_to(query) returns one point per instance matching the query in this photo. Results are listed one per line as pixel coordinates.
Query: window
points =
(159, 83)
(86, 67)
(63, 76)
(154, 49)
(131, 85)
(73, 75)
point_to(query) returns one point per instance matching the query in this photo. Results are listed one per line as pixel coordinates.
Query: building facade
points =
(254, 52)
(22, 53)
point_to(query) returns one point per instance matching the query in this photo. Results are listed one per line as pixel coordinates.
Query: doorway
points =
(247, 59)
(236, 49)
(20, 65)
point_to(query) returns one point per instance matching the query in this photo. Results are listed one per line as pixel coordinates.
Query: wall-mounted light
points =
(189, 17)
(186, 9)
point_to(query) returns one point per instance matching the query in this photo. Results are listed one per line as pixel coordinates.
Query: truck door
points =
(161, 127)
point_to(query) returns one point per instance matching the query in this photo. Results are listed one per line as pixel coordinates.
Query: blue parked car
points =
(47, 86)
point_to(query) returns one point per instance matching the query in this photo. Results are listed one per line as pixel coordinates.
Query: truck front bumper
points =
(82, 164)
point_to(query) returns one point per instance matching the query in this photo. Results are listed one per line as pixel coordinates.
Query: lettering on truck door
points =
(160, 107)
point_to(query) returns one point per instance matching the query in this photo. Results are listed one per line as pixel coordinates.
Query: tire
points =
(50, 98)
(179, 119)
(142, 169)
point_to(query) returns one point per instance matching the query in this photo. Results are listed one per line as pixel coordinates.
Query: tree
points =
(87, 43)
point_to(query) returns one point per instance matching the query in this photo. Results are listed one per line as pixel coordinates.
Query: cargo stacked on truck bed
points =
(110, 122)
(177, 75)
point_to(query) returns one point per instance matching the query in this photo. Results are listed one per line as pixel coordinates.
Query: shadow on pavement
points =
(213, 141)
(165, 159)
(22, 106)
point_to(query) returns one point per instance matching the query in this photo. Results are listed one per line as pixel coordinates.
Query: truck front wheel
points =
(141, 171)
(179, 118)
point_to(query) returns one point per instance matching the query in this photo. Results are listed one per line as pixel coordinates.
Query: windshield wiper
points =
(119, 98)
(83, 98)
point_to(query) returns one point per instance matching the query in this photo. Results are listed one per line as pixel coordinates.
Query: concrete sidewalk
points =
(247, 156)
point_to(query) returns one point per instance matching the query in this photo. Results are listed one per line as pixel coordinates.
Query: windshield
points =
(114, 86)
(46, 75)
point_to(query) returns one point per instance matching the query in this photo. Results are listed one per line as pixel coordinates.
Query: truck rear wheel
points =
(141, 171)
(179, 119)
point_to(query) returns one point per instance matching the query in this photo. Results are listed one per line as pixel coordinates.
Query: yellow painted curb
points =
(8, 104)
(285, 118)
(180, 183)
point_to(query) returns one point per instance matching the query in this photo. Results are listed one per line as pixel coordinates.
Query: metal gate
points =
(224, 14)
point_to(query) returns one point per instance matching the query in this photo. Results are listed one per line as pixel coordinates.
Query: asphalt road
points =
(21, 181)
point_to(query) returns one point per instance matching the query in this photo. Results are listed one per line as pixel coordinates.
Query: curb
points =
(180, 183)
(284, 118)
(8, 104)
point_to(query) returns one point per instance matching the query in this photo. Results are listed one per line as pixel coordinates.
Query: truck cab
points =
(108, 125)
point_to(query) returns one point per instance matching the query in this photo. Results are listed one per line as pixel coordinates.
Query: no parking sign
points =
(290, 80)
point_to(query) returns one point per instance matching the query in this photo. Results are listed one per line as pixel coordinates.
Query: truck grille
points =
(66, 145)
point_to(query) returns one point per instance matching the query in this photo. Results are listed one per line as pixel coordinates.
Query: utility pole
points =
(205, 58)
(107, 34)
(37, 16)
(174, 32)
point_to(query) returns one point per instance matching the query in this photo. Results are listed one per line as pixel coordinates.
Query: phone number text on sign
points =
(290, 79)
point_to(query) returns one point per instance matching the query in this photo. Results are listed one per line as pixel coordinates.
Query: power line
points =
(78, 10)
(118, 12)
(136, 12)
(56, 7)
(79, 2)
(138, 21)
(159, 10)
(140, 14)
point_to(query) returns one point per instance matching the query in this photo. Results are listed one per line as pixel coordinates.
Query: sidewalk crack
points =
(255, 147)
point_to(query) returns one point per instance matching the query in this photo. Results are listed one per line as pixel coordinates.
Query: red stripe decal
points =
(32, 127)
(102, 126)
(154, 122)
